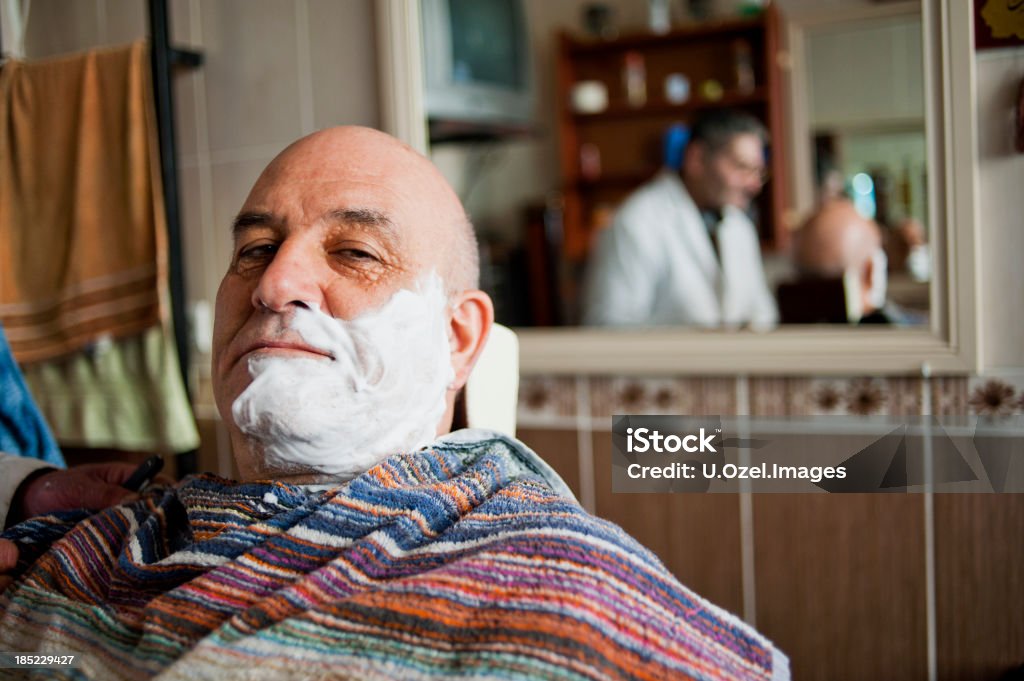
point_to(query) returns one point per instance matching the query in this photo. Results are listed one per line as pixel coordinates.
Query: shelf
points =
(630, 139)
(713, 30)
(663, 108)
(610, 180)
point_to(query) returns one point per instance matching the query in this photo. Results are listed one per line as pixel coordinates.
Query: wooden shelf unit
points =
(629, 138)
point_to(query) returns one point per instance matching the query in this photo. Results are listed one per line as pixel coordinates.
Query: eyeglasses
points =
(760, 173)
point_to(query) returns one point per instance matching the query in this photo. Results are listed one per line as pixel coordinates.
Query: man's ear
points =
(471, 321)
(867, 272)
(694, 159)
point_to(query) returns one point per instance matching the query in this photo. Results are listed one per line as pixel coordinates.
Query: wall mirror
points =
(925, 138)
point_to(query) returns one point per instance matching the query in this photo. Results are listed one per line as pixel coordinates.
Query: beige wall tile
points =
(186, 125)
(58, 27)
(180, 12)
(343, 62)
(251, 73)
(193, 236)
(231, 184)
(126, 20)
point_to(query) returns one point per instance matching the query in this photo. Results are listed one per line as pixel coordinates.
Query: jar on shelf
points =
(634, 75)
(743, 62)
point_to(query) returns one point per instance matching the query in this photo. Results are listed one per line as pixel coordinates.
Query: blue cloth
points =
(22, 428)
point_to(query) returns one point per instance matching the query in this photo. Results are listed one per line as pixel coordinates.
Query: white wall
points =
(1001, 207)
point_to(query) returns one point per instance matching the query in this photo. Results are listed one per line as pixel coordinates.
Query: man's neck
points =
(693, 189)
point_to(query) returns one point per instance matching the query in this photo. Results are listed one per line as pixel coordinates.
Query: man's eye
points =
(357, 254)
(260, 251)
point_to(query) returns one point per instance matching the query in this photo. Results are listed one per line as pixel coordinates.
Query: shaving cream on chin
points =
(382, 393)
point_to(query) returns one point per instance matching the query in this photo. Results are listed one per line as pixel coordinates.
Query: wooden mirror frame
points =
(951, 346)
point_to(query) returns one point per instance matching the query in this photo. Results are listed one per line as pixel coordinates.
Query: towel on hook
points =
(81, 205)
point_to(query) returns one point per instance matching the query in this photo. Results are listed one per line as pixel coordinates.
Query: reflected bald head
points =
(387, 183)
(835, 238)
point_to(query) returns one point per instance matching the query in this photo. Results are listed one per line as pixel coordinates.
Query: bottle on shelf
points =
(744, 65)
(634, 75)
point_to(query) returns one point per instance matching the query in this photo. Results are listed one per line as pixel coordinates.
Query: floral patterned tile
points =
(905, 395)
(949, 396)
(636, 395)
(547, 397)
(717, 396)
(543, 397)
(768, 396)
(995, 395)
(821, 396)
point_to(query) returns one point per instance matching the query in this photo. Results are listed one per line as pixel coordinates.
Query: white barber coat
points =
(656, 265)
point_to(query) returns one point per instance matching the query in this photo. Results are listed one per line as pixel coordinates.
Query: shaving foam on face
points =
(382, 393)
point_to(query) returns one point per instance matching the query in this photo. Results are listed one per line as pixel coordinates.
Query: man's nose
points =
(293, 278)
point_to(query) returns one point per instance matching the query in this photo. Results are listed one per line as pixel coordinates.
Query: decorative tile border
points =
(996, 395)
(631, 395)
(546, 397)
(552, 401)
(949, 396)
(823, 396)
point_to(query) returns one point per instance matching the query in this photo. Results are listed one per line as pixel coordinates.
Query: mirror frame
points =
(951, 346)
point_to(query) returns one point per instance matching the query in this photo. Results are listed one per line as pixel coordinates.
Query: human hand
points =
(93, 486)
(8, 560)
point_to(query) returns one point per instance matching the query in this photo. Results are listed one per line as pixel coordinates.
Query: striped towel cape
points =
(464, 560)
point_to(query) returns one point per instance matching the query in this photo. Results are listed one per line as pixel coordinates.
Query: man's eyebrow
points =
(374, 220)
(245, 220)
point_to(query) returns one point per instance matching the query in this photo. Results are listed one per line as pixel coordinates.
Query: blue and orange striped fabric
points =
(459, 561)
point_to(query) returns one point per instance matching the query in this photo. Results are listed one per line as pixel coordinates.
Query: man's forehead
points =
(746, 142)
(343, 193)
(368, 219)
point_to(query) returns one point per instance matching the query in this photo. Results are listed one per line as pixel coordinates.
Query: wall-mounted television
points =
(477, 75)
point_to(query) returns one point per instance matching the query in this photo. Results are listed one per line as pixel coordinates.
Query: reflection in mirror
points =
(627, 99)
(860, 114)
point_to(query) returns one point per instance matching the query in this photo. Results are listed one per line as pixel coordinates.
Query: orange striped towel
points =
(82, 226)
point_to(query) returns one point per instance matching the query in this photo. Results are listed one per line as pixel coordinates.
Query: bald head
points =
(835, 239)
(401, 178)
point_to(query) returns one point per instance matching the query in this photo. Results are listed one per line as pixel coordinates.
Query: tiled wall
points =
(851, 586)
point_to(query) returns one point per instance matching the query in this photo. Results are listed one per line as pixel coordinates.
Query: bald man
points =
(364, 541)
(837, 241)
